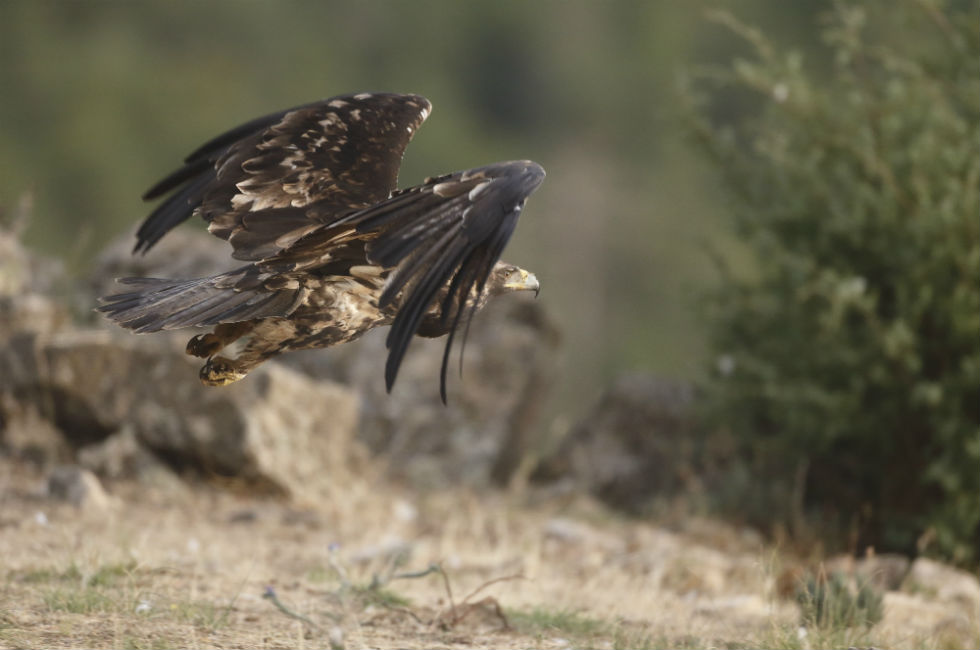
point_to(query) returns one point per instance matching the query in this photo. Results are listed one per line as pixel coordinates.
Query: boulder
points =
(120, 455)
(919, 616)
(77, 486)
(494, 405)
(636, 444)
(279, 430)
(949, 585)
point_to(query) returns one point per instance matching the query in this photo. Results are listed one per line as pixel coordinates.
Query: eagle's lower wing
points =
(247, 293)
(449, 231)
(252, 183)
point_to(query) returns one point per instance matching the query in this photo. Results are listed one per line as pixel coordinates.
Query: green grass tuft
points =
(540, 620)
(202, 614)
(382, 596)
(110, 574)
(47, 574)
(84, 600)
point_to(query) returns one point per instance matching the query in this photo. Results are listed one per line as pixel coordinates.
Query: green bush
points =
(849, 356)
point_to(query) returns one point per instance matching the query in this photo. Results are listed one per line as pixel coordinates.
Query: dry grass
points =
(182, 568)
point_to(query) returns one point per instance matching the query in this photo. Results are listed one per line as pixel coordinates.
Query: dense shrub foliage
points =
(849, 356)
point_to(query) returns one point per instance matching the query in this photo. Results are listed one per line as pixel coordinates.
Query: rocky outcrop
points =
(123, 404)
(126, 406)
(635, 444)
(948, 584)
(494, 402)
(481, 436)
(77, 486)
(280, 431)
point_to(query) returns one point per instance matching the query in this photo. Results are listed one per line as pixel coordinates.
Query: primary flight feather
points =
(307, 197)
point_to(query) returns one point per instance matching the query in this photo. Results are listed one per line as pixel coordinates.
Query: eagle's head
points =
(506, 278)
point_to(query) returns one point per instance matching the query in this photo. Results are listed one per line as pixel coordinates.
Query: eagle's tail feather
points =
(156, 304)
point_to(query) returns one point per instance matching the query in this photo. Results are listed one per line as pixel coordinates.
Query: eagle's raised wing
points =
(252, 183)
(450, 231)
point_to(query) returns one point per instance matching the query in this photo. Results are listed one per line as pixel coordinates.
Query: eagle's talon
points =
(218, 371)
(203, 345)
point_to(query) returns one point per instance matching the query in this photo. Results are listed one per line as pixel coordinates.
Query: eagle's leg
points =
(207, 345)
(220, 371)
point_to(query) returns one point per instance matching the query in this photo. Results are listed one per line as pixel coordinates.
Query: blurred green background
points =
(100, 99)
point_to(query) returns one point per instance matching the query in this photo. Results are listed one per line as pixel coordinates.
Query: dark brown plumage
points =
(307, 197)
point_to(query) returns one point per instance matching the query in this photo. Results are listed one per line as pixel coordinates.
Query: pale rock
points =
(921, 615)
(699, 570)
(634, 445)
(77, 486)
(278, 430)
(948, 584)
(486, 430)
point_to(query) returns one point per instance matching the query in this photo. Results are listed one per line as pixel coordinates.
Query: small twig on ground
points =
(466, 608)
(457, 614)
(377, 582)
(454, 614)
(406, 611)
(270, 594)
(433, 568)
(516, 576)
(449, 589)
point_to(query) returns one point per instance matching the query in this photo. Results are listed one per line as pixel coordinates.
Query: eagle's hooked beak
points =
(523, 281)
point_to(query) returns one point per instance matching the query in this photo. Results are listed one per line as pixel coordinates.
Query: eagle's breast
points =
(338, 309)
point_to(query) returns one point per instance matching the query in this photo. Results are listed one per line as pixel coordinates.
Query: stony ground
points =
(172, 566)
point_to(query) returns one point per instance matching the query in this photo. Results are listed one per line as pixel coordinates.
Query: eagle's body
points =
(307, 197)
(336, 310)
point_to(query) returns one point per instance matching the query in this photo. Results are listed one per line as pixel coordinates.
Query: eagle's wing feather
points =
(341, 153)
(205, 155)
(156, 304)
(450, 231)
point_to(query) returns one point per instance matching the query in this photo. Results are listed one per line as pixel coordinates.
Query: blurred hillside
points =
(101, 99)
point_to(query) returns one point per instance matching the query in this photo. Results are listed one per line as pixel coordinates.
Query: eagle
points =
(307, 199)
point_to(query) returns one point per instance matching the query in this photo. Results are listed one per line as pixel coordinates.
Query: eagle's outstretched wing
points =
(450, 231)
(444, 235)
(252, 183)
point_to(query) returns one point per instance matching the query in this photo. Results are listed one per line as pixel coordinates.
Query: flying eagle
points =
(307, 197)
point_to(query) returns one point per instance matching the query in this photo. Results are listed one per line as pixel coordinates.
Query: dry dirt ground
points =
(172, 566)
